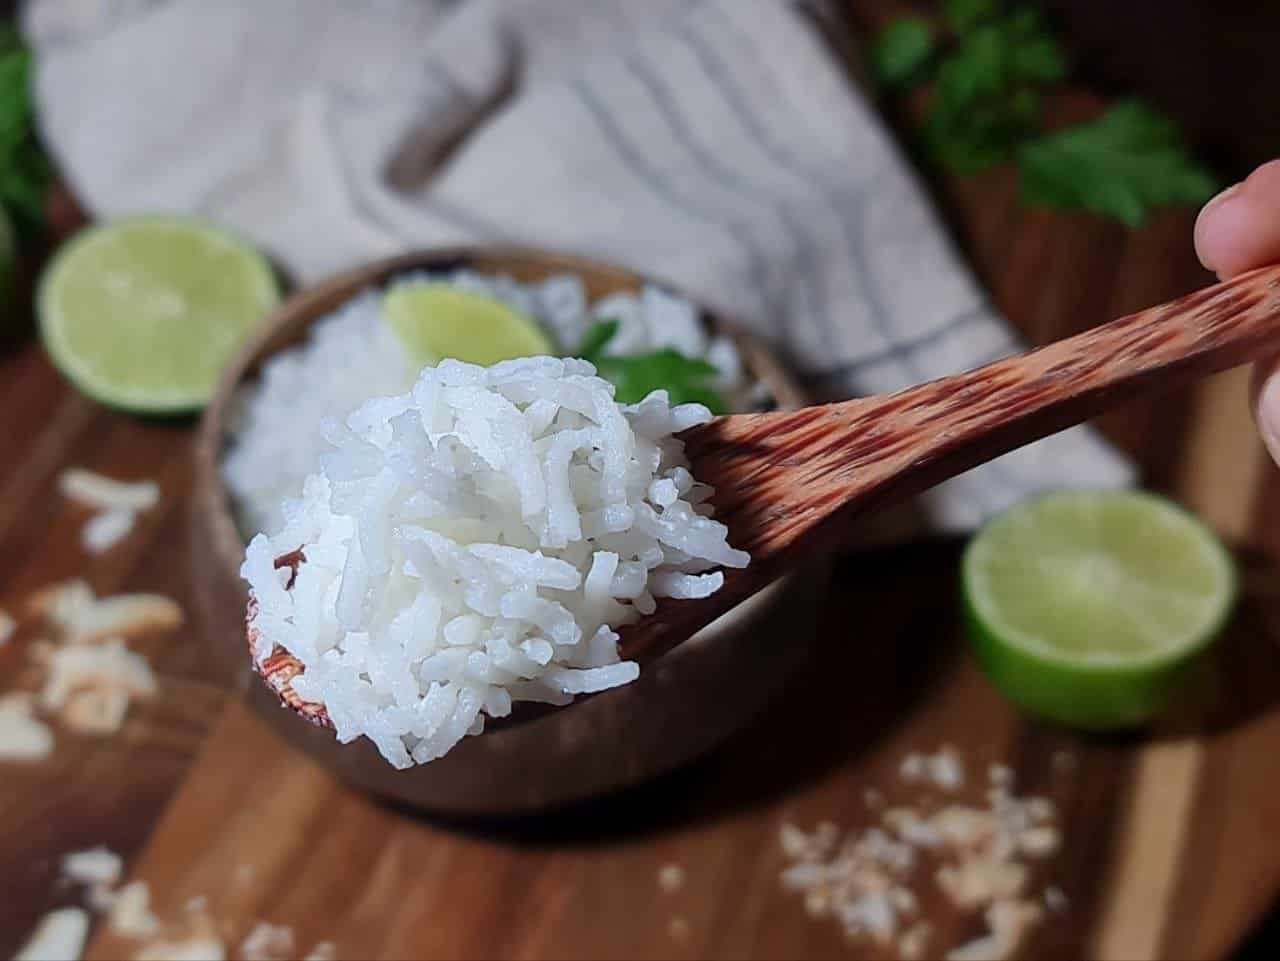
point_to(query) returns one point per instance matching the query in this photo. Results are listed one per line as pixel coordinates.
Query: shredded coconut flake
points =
(104, 493)
(62, 602)
(865, 881)
(200, 947)
(915, 941)
(267, 942)
(122, 615)
(110, 667)
(96, 711)
(59, 936)
(130, 911)
(323, 951)
(95, 866)
(23, 736)
(671, 878)
(946, 769)
(1000, 775)
(105, 530)
(1055, 900)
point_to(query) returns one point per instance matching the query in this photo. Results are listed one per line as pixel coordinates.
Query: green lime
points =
(1092, 608)
(435, 321)
(144, 313)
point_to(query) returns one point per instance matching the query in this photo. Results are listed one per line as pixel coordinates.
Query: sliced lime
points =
(1091, 608)
(435, 321)
(144, 313)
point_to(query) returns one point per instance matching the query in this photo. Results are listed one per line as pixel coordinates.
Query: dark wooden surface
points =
(1170, 838)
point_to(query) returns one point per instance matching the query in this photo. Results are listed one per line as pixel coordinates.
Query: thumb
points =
(1240, 228)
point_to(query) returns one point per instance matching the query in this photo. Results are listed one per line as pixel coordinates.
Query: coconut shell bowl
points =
(685, 702)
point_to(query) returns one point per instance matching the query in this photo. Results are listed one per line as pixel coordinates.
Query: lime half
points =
(435, 321)
(143, 314)
(1091, 608)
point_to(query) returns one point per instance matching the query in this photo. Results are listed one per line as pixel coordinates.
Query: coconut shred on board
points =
(475, 542)
(871, 880)
(194, 933)
(88, 675)
(117, 505)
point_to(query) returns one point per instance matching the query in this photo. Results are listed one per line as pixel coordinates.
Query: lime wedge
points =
(143, 314)
(1092, 608)
(435, 321)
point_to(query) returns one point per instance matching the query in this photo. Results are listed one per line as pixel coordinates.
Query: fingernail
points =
(1203, 217)
(1269, 414)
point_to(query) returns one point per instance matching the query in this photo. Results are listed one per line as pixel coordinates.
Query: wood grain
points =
(584, 884)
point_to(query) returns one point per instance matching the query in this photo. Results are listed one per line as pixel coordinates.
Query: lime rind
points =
(254, 288)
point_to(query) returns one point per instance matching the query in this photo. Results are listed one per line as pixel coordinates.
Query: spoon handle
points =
(940, 429)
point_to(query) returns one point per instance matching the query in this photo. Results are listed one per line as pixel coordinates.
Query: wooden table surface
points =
(1169, 837)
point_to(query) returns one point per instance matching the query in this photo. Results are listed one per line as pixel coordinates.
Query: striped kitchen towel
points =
(716, 144)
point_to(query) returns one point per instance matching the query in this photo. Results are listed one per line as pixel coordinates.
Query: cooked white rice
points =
(349, 357)
(352, 355)
(474, 542)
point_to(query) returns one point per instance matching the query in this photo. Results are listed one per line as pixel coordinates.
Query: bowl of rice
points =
(326, 384)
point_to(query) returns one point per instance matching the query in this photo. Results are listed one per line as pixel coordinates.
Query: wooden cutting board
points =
(1169, 838)
(1167, 848)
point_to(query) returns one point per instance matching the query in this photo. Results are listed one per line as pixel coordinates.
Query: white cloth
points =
(716, 145)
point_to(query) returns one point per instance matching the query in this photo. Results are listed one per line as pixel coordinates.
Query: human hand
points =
(1236, 231)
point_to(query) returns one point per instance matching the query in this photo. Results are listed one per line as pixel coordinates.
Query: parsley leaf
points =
(964, 15)
(990, 70)
(1128, 160)
(25, 172)
(987, 97)
(901, 51)
(972, 137)
(686, 381)
(593, 342)
(999, 58)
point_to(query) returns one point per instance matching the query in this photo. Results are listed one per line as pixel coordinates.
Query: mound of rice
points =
(352, 355)
(349, 357)
(474, 542)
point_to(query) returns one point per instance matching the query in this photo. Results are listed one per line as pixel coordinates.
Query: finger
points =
(1240, 228)
(1266, 404)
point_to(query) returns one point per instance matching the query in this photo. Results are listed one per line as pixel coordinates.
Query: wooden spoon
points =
(795, 482)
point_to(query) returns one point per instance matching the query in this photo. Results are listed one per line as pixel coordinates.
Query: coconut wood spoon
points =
(796, 482)
(792, 483)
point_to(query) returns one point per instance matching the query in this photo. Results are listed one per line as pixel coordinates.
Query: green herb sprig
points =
(686, 380)
(25, 171)
(990, 66)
